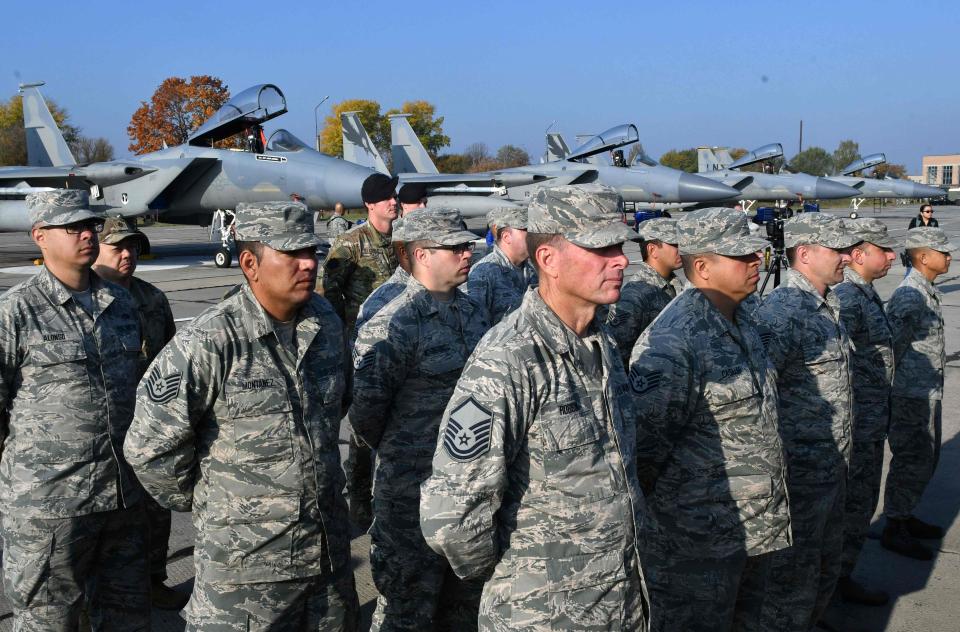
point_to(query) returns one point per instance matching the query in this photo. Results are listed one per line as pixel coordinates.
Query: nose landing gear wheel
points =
(223, 258)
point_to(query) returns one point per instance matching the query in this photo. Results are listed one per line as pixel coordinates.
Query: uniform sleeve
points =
(479, 287)
(902, 308)
(483, 431)
(335, 274)
(777, 330)
(173, 398)
(383, 352)
(665, 390)
(625, 322)
(169, 324)
(9, 368)
(851, 313)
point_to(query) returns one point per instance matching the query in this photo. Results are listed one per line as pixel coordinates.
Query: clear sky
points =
(686, 73)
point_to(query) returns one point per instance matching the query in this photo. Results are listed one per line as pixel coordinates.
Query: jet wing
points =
(738, 182)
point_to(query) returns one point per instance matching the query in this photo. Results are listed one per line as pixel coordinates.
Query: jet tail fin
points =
(358, 148)
(557, 148)
(409, 154)
(707, 160)
(46, 146)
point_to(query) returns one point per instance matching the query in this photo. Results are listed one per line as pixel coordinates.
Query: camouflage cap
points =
(396, 231)
(871, 230)
(60, 207)
(441, 226)
(588, 215)
(284, 226)
(508, 217)
(718, 230)
(928, 237)
(817, 228)
(659, 229)
(116, 229)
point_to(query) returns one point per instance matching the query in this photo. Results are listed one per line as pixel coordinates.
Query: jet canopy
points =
(864, 163)
(643, 159)
(244, 110)
(282, 140)
(767, 152)
(611, 139)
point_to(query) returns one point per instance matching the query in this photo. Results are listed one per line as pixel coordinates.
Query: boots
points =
(897, 538)
(923, 530)
(166, 598)
(853, 591)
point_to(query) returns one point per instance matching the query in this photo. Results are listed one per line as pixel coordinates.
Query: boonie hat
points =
(441, 226)
(722, 231)
(284, 226)
(871, 230)
(60, 207)
(587, 215)
(659, 229)
(817, 228)
(116, 229)
(378, 187)
(508, 217)
(929, 237)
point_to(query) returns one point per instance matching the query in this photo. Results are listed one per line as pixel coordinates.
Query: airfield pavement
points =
(924, 594)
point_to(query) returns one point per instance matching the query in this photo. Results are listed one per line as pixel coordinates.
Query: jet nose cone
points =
(691, 188)
(343, 183)
(829, 190)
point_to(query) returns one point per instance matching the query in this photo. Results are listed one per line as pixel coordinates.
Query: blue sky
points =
(686, 73)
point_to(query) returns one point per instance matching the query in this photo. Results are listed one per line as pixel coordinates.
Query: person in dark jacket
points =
(925, 218)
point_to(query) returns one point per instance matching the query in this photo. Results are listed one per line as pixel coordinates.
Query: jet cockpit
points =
(246, 111)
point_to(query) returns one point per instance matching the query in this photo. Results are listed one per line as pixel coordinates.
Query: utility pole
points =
(316, 122)
(800, 146)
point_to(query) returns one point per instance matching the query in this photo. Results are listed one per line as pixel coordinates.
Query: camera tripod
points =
(778, 262)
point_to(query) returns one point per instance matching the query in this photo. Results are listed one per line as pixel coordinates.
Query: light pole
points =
(316, 122)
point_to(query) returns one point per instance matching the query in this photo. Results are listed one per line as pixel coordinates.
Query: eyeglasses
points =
(927, 211)
(94, 226)
(457, 249)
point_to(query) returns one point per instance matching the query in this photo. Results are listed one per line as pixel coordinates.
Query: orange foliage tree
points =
(176, 109)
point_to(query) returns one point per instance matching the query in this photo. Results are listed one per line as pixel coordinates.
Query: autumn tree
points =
(452, 163)
(13, 140)
(427, 126)
(377, 126)
(815, 161)
(846, 153)
(890, 170)
(177, 108)
(682, 159)
(477, 154)
(512, 156)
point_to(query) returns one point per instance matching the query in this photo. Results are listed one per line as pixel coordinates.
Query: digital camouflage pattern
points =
(916, 320)
(407, 359)
(116, 229)
(391, 289)
(723, 231)
(587, 215)
(817, 228)
(659, 229)
(871, 230)
(498, 285)
(534, 483)
(929, 237)
(642, 298)
(359, 261)
(871, 369)
(284, 226)
(232, 426)
(67, 395)
(337, 225)
(440, 226)
(60, 207)
(810, 349)
(508, 217)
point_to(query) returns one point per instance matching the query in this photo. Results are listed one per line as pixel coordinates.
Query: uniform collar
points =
(548, 325)
(917, 279)
(802, 283)
(379, 238)
(259, 324)
(646, 273)
(102, 292)
(501, 257)
(852, 276)
(424, 301)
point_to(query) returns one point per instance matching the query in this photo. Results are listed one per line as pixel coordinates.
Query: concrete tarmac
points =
(924, 594)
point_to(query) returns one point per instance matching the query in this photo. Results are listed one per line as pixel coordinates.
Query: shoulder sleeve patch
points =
(642, 381)
(467, 434)
(163, 388)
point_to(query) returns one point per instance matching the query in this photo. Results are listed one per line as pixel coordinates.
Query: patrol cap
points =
(659, 229)
(412, 192)
(929, 237)
(284, 226)
(378, 187)
(871, 230)
(587, 215)
(116, 229)
(817, 228)
(396, 232)
(60, 207)
(442, 226)
(718, 230)
(508, 217)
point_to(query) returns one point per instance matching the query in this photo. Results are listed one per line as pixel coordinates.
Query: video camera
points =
(775, 231)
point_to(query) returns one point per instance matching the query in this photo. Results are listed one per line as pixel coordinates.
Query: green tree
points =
(377, 126)
(846, 153)
(815, 161)
(13, 140)
(88, 150)
(512, 156)
(890, 170)
(427, 126)
(452, 163)
(682, 159)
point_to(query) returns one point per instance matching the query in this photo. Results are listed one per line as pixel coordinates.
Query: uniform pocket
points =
(57, 469)
(261, 424)
(252, 532)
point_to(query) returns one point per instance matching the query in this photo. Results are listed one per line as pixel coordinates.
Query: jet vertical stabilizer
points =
(45, 144)
(707, 161)
(409, 154)
(723, 157)
(357, 146)
(556, 147)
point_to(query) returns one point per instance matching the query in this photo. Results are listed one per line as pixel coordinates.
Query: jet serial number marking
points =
(271, 158)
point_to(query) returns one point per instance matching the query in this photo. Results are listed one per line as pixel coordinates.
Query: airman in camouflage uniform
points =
(237, 421)
(406, 363)
(392, 287)
(916, 320)
(73, 524)
(651, 287)
(871, 368)
(337, 224)
(534, 485)
(120, 245)
(499, 280)
(805, 338)
(360, 261)
(708, 454)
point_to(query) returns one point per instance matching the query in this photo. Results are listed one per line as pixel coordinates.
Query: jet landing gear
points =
(222, 222)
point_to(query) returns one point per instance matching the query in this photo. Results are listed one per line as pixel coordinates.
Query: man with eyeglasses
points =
(120, 246)
(407, 360)
(74, 532)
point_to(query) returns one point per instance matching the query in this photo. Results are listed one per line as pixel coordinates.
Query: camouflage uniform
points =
(498, 285)
(871, 366)
(916, 320)
(643, 296)
(709, 455)
(391, 289)
(73, 526)
(810, 350)
(360, 260)
(407, 360)
(336, 226)
(534, 484)
(237, 427)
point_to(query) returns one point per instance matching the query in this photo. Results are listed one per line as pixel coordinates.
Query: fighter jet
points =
(873, 188)
(717, 165)
(193, 183)
(477, 193)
